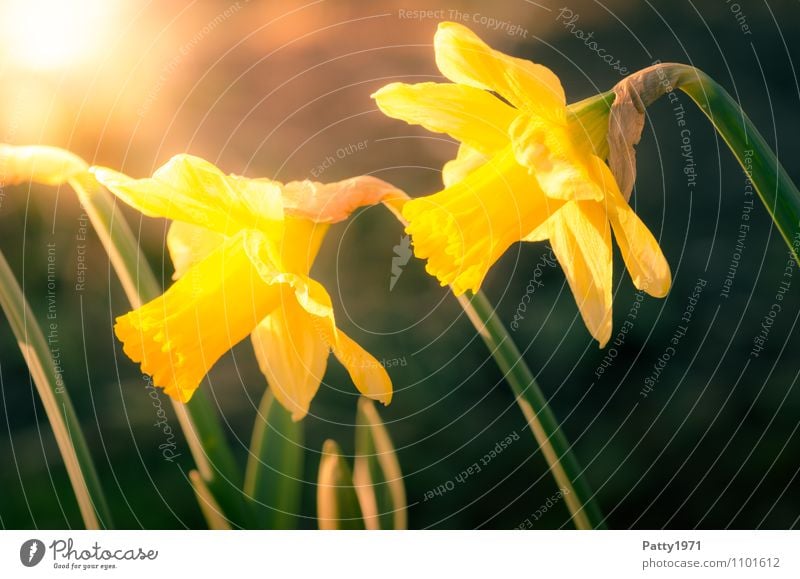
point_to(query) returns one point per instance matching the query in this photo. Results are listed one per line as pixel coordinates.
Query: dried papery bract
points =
(633, 95)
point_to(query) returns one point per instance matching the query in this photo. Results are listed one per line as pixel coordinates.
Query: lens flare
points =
(51, 34)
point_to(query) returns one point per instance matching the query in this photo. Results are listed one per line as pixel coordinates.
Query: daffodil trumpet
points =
(242, 250)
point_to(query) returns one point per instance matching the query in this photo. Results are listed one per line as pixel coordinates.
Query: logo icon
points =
(402, 253)
(32, 552)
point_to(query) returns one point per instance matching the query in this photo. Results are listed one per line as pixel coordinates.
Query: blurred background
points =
(282, 90)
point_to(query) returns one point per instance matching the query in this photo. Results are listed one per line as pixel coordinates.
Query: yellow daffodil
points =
(525, 170)
(242, 250)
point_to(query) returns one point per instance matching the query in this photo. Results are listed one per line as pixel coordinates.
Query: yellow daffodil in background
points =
(38, 164)
(242, 250)
(524, 171)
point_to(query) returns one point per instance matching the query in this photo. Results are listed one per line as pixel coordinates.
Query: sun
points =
(52, 34)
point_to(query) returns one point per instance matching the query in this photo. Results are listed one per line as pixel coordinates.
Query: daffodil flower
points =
(525, 171)
(242, 250)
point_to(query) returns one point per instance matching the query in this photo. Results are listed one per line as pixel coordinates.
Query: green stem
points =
(542, 422)
(198, 420)
(770, 180)
(57, 404)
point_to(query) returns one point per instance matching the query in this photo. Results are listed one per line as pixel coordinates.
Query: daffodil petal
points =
(293, 343)
(640, 250)
(334, 202)
(190, 244)
(581, 240)
(300, 244)
(193, 190)
(292, 353)
(466, 59)
(462, 230)
(546, 149)
(314, 299)
(369, 375)
(40, 164)
(470, 115)
(266, 259)
(180, 335)
(542, 232)
(466, 161)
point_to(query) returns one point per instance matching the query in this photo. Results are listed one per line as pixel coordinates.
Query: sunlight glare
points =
(50, 34)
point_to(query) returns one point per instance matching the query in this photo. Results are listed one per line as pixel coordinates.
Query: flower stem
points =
(198, 420)
(776, 190)
(57, 404)
(542, 422)
(778, 193)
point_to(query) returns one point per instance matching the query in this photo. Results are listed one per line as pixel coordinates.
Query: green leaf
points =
(337, 503)
(274, 476)
(376, 472)
(56, 401)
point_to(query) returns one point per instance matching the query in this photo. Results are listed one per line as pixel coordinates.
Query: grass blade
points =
(57, 404)
(337, 502)
(208, 505)
(376, 472)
